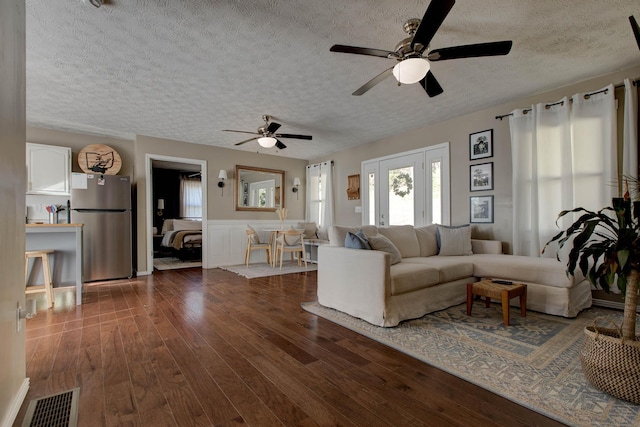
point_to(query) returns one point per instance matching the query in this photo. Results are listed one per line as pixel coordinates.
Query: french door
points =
(407, 189)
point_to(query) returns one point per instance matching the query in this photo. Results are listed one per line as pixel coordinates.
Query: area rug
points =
(173, 263)
(263, 269)
(534, 362)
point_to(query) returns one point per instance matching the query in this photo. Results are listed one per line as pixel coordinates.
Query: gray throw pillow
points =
(382, 243)
(455, 240)
(356, 240)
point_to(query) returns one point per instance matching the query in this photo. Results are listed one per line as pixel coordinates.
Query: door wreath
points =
(402, 184)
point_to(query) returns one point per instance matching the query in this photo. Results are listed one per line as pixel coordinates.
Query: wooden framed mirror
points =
(259, 189)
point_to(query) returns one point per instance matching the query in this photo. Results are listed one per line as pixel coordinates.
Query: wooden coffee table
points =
(490, 289)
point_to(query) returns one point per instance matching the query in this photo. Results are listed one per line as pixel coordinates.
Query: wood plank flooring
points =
(200, 347)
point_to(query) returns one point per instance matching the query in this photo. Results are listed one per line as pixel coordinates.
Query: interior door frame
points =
(433, 152)
(149, 158)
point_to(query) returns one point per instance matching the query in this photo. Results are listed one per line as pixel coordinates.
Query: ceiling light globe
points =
(267, 141)
(411, 70)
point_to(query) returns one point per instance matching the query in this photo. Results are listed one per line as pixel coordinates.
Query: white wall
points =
(456, 131)
(13, 381)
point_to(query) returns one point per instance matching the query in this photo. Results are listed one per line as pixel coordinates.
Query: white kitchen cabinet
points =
(48, 169)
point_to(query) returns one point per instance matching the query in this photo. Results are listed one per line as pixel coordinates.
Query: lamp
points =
(267, 141)
(160, 206)
(296, 184)
(222, 176)
(411, 70)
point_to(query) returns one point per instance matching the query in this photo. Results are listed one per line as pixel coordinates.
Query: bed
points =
(183, 238)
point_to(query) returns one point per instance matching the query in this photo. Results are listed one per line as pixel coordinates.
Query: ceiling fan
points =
(636, 29)
(267, 137)
(413, 53)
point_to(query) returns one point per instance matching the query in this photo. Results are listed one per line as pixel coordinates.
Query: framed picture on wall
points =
(481, 145)
(481, 209)
(481, 177)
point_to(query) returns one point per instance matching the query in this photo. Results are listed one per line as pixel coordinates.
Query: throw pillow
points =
(455, 240)
(428, 241)
(382, 243)
(255, 239)
(310, 229)
(356, 241)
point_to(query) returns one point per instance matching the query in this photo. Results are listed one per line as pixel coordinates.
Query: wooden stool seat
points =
(47, 288)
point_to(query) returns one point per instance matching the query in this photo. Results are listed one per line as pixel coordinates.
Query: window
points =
(190, 197)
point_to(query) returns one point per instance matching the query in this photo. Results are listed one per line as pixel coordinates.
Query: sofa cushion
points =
(455, 240)
(356, 241)
(449, 268)
(527, 269)
(404, 238)
(310, 229)
(427, 239)
(337, 233)
(410, 277)
(381, 243)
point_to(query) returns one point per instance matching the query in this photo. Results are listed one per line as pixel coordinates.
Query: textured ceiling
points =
(185, 70)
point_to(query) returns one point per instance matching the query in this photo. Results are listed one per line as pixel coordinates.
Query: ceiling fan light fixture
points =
(267, 141)
(411, 70)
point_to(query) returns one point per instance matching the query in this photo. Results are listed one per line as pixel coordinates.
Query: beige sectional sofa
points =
(436, 264)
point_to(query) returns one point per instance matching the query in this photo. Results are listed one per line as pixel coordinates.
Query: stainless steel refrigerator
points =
(103, 204)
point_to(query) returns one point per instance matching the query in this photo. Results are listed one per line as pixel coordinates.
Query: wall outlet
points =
(358, 209)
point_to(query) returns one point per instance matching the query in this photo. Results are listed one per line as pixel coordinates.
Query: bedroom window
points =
(190, 197)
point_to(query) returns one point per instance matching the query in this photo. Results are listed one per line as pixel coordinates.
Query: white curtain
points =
(190, 197)
(563, 156)
(319, 204)
(630, 144)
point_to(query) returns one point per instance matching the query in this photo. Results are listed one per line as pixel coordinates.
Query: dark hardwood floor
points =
(208, 347)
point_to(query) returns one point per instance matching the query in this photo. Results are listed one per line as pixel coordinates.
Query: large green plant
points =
(605, 245)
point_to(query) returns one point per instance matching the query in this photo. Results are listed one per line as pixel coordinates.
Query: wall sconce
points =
(222, 176)
(160, 207)
(296, 184)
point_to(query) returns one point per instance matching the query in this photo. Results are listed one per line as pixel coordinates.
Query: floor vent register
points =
(57, 410)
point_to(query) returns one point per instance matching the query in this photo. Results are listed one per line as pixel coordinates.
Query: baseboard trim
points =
(611, 304)
(16, 404)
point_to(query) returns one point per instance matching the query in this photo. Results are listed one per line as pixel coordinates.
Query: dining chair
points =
(291, 241)
(254, 244)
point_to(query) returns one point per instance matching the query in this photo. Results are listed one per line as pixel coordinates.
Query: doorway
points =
(159, 208)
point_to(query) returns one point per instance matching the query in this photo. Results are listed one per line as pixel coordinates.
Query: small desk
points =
(489, 289)
(66, 240)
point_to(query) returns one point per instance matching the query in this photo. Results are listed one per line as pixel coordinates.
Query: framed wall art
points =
(481, 177)
(481, 209)
(353, 187)
(481, 145)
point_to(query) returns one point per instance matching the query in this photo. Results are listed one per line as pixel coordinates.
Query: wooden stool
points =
(490, 289)
(47, 288)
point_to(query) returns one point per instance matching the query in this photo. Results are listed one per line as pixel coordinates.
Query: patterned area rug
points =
(534, 362)
(173, 263)
(263, 269)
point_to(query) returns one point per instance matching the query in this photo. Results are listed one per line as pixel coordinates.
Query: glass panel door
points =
(402, 190)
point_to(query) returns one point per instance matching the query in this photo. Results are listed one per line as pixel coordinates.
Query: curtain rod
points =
(586, 96)
(321, 163)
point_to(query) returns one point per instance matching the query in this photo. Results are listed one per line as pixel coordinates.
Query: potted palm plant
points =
(605, 246)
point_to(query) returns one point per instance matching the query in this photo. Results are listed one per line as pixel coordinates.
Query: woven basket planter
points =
(612, 364)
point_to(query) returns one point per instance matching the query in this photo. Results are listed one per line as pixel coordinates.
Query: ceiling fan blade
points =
(471, 51)
(431, 85)
(362, 51)
(636, 30)
(291, 135)
(374, 81)
(433, 18)
(246, 140)
(280, 145)
(273, 126)
(240, 131)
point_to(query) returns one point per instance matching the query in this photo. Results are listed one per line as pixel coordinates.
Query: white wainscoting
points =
(227, 240)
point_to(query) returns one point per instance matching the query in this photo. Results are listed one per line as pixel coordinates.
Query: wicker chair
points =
(254, 244)
(291, 241)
